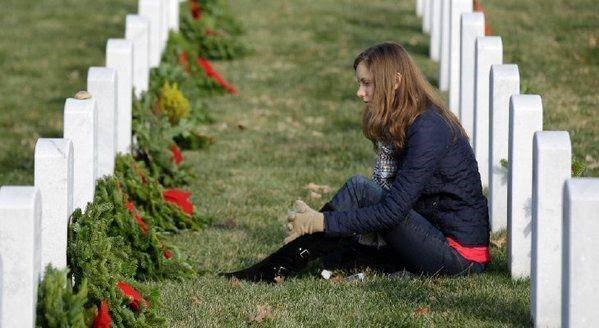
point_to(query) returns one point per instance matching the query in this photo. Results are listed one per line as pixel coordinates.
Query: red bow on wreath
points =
(177, 155)
(103, 318)
(184, 60)
(135, 298)
(211, 72)
(196, 9)
(180, 198)
(168, 254)
(140, 221)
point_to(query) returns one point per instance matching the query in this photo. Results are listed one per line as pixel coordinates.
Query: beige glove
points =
(303, 220)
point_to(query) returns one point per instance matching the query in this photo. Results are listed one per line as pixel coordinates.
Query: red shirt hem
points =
(478, 254)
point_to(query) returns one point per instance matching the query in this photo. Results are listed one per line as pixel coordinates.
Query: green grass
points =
(302, 124)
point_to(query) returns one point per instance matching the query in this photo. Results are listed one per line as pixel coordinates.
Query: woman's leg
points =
(423, 248)
(293, 257)
(357, 192)
(415, 242)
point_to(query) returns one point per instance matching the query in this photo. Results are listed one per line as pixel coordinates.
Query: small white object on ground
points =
(326, 274)
(357, 277)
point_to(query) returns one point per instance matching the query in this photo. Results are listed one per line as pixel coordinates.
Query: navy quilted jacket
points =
(437, 177)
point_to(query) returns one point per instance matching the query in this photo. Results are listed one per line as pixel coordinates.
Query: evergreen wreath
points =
(58, 304)
(147, 195)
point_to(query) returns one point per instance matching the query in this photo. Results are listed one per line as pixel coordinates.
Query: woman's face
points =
(365, 82)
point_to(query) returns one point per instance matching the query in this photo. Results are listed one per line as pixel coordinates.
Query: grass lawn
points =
(296, 120)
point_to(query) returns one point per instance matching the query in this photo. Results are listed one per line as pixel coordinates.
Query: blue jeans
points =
(414, 243)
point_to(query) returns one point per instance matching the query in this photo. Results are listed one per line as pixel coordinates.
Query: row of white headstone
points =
(551, 218)
(34, 219)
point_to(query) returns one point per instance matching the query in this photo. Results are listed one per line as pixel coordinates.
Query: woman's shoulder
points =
(430, 119)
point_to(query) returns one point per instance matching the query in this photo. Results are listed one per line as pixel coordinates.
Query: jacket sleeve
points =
(427, 143)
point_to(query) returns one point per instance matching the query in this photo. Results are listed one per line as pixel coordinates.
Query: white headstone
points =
(102, 84)
(504, 82)
(80, 126)
(444, 53)
(580, 242)
(54, 179)
(435, 40)
(419, 5)
(426, 17)
(137, 29)
(552, 165)
(526, 117)
(152, 10)
(457, 8)
(20, 216)
(173, 23)
(488, 51)
(166, 16)
(119, 56)
(1, 293)
(473, 26)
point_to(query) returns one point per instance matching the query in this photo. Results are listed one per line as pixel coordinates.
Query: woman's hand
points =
(303, 220)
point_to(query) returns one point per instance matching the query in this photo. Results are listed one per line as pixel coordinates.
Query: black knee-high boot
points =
(292, 257)
(289, 259)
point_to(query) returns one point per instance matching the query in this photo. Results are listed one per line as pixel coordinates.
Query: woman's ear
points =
(397, 81)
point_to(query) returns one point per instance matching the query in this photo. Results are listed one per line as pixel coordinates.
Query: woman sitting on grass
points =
(423, 210)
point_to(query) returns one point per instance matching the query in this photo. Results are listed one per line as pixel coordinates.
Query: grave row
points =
(97, 126)
(550, 217)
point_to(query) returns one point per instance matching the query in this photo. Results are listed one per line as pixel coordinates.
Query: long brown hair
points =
(390, 113)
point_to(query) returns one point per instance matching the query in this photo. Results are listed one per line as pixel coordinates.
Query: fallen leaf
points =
(195, 300)
(499, 242)
(337, 279)
(234, 282)
(423, 310)
(312, 186)
(264, 312)
(318, 188)
(228, 224)
(74, 76)
(279, 280)
(315, 195)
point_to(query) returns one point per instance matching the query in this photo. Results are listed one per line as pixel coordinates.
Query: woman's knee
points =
(357, 180)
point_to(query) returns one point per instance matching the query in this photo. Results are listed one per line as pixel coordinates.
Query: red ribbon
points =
(177, 155)
(184, 59)
(180, 198)
(196, 10)
(135, 298)
(140, 221)
(103, 318)
(211, 32)
(211, 72)
(479, 7)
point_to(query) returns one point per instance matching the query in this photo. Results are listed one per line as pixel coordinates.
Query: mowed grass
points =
(46, 48)
(296, 120)
(301, 124)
